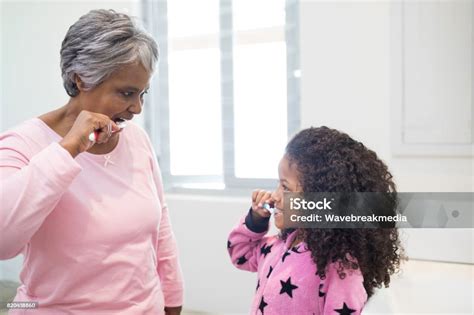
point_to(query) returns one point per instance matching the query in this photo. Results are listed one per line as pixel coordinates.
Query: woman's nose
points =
(136, 107)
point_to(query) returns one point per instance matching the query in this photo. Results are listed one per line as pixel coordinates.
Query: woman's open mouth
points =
(120, 122)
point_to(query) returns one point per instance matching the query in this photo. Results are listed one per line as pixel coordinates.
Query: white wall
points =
(345, 61)
(345, 57)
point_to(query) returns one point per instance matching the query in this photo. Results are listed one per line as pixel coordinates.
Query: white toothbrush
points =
(269, 208)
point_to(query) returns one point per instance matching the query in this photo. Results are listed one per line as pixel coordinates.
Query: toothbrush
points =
(94, 136)
(269, 207)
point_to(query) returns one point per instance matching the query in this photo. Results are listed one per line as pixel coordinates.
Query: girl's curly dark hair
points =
(330, 161)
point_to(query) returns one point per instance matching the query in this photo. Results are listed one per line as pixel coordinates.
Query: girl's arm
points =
(29, 189)
(245, 241)
(342, 296)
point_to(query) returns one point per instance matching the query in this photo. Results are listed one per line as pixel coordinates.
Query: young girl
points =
(317, 271)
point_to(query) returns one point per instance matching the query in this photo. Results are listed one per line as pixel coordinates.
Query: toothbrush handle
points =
(94, 136)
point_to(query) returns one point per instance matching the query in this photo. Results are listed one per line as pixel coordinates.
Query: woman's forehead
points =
(134, 75)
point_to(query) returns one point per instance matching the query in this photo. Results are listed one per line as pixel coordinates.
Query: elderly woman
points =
(82, 198)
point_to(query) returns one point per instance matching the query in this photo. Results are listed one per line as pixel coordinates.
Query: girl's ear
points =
(299, 188)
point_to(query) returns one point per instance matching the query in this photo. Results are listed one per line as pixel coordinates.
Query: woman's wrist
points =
(71, 147)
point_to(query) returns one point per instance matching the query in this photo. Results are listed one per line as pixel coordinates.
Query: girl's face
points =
(288, 182)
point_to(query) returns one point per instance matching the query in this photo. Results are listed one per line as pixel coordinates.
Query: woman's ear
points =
(79, 83)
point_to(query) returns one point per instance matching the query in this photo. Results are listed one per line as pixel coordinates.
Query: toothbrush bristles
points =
(268, 207)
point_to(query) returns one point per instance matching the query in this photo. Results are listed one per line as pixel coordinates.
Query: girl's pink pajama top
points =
(287, 282)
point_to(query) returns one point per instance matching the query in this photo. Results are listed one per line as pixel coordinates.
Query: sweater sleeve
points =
(245, 241)
(168, 266)
(343, 296)
(29, 189)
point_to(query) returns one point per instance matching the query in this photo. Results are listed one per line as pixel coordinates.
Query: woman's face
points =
(288, 182)
(120, 95)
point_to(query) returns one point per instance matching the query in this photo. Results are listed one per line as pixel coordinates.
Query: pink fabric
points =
(94, 230)
(287, 281)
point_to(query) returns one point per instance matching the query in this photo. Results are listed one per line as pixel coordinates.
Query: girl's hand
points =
(259, 197)
(77, 139)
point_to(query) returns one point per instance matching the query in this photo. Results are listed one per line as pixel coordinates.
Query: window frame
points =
(156, 120)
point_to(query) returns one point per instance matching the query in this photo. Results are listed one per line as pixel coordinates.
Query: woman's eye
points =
(127, 94)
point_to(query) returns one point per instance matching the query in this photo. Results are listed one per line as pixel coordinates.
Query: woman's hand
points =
(259, 197)
(173, 310)
(77, 139)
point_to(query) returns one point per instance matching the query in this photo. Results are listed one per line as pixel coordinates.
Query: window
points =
(226, 92)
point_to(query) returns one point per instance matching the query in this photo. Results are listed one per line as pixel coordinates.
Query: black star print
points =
(262, 305)
(269, 271)
(287, 253)
(265, 250)
(229, 244)
(258, 285)
(321, 293)
(242, 260)
(287, 287)
(295, 250)
(345, 310)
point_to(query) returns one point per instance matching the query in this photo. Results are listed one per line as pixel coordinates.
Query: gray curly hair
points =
(99, 43)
